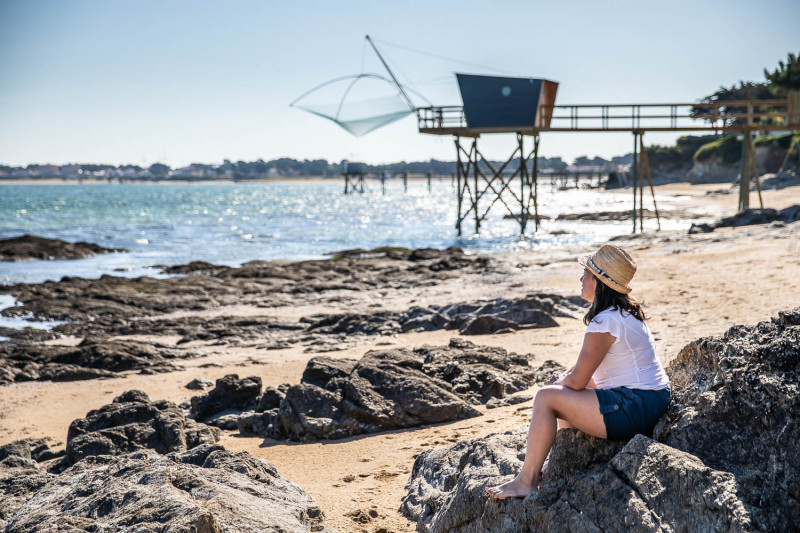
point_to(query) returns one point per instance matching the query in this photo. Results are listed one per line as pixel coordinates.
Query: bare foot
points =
(516, 488)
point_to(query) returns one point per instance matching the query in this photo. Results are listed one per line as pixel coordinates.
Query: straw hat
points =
(613, 266)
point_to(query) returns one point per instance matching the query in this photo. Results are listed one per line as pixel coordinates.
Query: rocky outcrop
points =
(205, 490)
(392, 389)
(26, 453)
(735, 406)
(92, 358)
(18, 485)
(723, 458)
(111, 302)
(749, 217)
(132, 422)
(31, 247)
(230, 394)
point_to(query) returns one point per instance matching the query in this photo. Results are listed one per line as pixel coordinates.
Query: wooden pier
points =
(480, 185)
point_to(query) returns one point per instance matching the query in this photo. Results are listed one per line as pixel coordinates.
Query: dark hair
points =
(605, 297)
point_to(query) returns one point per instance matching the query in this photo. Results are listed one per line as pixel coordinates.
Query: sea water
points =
(232, 223)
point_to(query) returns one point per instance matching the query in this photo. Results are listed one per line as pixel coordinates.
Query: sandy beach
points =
(693, 286)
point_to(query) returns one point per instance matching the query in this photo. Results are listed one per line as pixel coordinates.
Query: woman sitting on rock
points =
(617, 387)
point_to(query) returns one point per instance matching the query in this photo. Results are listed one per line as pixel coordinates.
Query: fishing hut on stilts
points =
(525, 107)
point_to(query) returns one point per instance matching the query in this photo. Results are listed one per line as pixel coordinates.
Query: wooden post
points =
(429, 182)
(634, 165)
(522, 214)
(536, 180)
(405, 181)
(755, 177)
(744, 186)
(475, 177)
(642, 157)
(646, 167)
(460, 193)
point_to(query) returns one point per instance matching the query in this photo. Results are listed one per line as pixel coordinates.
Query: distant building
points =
(70, 171)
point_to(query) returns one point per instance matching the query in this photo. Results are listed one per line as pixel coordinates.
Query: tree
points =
(786, 77)
(746, 90)
(159, 169)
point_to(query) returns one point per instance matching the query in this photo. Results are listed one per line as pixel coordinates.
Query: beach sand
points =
(693, 286)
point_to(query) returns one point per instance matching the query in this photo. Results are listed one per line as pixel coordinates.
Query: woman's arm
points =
(594, 349)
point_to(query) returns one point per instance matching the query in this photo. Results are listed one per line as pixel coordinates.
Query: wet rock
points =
(132, 422)
(93, 358)
(32, 247)
(195, 267)
(111, 302)
(199, 384)
(230, 393)
(724, 456)
(207, 489)
(751, 216)
(700, 228)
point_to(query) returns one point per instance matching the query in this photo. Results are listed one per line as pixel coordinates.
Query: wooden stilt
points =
(634, 169)
(646, 167)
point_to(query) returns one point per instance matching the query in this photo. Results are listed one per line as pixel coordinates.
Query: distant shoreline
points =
(215, 181)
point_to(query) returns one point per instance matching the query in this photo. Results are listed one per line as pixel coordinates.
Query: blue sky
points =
(181, 81)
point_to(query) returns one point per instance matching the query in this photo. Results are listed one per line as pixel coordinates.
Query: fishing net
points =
(360, 103)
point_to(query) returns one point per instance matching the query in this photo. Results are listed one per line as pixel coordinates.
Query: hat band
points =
(603, 274)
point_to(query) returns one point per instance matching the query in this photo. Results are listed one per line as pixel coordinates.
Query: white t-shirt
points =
(631, 361)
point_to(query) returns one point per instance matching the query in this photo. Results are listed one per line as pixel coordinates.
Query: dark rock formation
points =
(132, 422)
(391, 389)
(110, 302)
(32, 247)
(589, 485)
(321, 370)
(26, 453)
(204, 490)
(230, 394)
(271, 399)
(735, 405)
(749, 217)
(93, 358)
(724, 456)
(18, 485)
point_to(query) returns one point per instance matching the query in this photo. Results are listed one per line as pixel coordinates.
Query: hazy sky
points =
(178, 81)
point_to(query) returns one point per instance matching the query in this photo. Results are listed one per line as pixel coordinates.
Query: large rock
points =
(392, 389)
(751, 216)
(18, 485)
(724, 456)
(132, 422)
(33, 247)
(735, 405)
(204, 490)
(589, 485)
(230, 394)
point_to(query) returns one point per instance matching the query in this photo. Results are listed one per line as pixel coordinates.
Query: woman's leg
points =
(578, 408)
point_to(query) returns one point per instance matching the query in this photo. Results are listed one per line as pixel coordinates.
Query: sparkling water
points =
(231, 223)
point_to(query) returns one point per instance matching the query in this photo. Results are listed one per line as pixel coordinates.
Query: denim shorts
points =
(627, 412)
